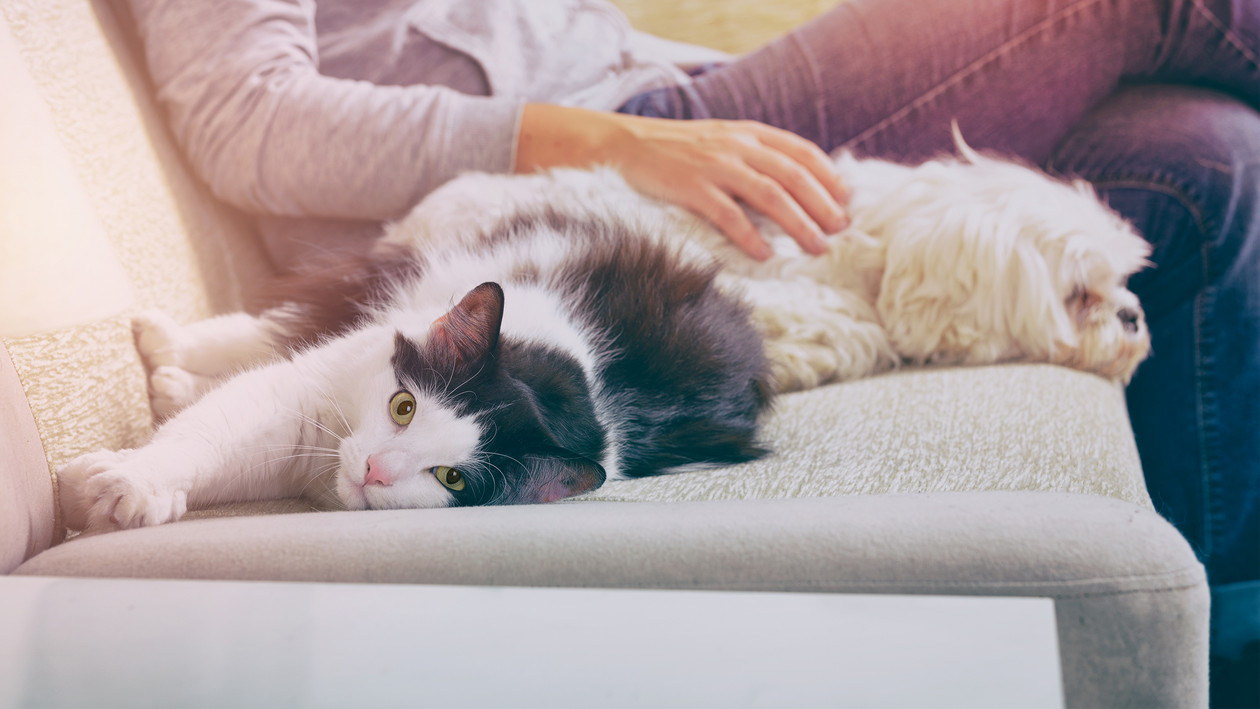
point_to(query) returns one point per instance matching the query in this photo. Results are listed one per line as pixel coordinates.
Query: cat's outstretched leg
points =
(814, 334)
(265, 434)
(186, 361)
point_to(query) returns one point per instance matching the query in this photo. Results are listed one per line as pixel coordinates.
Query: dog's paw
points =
(106, 491)
(814, 334)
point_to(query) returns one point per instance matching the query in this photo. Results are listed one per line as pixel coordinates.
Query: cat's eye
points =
(402, 408)
(449, 477)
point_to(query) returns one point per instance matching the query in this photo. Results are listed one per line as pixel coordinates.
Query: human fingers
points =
(806, 154)
(715, 205)
(766, 194)
(803, 188)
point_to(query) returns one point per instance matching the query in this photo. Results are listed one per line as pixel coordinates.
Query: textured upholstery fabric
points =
(81, 407)
(1016, 427)
(1131, 612)
(183, 252)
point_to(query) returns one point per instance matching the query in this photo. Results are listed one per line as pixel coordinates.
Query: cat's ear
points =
(470, 331)
(555, 477)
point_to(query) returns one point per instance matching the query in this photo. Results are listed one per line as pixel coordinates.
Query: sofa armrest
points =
(27, 501)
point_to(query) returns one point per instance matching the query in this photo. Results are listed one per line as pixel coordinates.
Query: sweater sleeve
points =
(240, 82)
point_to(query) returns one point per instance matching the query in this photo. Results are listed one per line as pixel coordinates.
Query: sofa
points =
(1012, 480)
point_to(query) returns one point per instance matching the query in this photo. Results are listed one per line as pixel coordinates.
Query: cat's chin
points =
(350, 496)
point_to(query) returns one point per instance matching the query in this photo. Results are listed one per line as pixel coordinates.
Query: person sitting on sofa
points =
(326, 121)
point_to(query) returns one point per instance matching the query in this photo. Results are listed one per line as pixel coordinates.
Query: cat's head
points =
(464, 419)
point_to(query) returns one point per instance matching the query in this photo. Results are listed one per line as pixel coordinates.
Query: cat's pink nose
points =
(376, 474)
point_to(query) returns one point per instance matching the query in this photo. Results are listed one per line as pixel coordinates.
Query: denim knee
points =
(1184, 165)
(1200, 150)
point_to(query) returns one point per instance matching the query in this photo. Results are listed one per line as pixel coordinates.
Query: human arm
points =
(704, 166)
(241, 85)
(241, 82)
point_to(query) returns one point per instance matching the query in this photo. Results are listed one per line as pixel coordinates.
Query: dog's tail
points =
(966, 151)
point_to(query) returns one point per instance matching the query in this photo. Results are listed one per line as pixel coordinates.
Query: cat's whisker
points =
(471, 377)
(321, 476)
(335, 405)
(504, 455)
(292, 450)
(341, 414)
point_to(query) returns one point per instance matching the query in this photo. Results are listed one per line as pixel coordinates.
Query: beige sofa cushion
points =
(57, 268)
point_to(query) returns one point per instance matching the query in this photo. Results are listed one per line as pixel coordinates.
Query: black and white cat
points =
(524, 366)
(521, 339)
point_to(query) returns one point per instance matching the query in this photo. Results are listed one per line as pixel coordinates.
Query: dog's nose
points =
(1128, 319)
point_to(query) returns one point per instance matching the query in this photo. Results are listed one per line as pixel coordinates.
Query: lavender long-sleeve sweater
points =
(326, 120)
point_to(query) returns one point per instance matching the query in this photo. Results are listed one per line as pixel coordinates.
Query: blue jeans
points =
(1155, 102)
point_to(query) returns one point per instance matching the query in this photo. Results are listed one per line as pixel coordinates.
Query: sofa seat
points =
(1128, 611)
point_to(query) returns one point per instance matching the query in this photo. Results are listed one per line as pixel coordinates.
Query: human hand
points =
(704, 166)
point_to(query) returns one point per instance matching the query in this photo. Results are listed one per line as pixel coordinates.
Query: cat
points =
(575, 350)
(597, 333)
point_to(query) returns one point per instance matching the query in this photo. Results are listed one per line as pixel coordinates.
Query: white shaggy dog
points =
(970, 260)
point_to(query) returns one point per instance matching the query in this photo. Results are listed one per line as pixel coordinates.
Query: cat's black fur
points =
(682, 369)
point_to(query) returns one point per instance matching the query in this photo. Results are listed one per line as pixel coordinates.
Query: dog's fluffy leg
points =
(813, 334)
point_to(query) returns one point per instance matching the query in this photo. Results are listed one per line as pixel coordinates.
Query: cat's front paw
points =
(172, 388)
(106, 490)
(157, 338)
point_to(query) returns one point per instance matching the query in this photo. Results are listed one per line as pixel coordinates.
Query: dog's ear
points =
(1112, 242)
(1037, 320)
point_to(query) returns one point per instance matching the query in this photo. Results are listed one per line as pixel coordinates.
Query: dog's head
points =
(1106, 328)
(1070, 265)
(1022, 267)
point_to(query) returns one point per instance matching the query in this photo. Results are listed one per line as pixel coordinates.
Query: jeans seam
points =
(821, 114)
(1205, 366)
(1229, 36)
(1165, 188)
(969, 70)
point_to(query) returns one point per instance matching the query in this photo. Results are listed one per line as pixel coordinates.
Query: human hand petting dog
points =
(702, 165)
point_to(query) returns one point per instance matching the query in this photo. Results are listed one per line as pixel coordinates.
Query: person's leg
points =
(886, 77)
(1183, 165)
